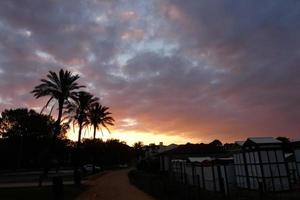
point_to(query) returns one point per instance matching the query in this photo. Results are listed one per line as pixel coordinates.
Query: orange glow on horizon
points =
(130, 137)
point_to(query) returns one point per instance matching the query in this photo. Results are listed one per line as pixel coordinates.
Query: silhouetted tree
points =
(59, 87)
(117, 152)
(283, 139)
(26, 130)
(216, 143)
(78, 111)
(286, 144)
(98, 116)
(110, 154)
(138, 149)
(23, 122)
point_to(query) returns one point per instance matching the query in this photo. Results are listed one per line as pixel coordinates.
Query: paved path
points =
(113, 185)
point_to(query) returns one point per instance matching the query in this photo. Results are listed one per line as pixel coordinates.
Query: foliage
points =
(34, 140)
(26, 123)
(60, 87)
(138, 149)
(99, 116)
(108, 154)
(216, 143)
(30, 133)
(78, 110)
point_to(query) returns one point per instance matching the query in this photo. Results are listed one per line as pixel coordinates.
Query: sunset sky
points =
(170, 70)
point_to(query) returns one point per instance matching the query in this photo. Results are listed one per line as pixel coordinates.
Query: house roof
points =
(210, 160)
(199, 159)
(264, 140)
(196, 150)
(240, 143)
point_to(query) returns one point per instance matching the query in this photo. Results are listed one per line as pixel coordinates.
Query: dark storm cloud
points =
(257, 41)
(204, 68)
(37, 36)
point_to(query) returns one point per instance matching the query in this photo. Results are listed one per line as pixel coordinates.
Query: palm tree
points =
(138, 150)
(99, 116)
(60, 88)
(78, 111)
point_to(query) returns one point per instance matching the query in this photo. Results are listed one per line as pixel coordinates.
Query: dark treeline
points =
(26, 138)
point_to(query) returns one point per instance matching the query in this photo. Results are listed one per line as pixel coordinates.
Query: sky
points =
(171, 71)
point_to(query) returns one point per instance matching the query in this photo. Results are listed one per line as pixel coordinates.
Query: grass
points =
(39, 193)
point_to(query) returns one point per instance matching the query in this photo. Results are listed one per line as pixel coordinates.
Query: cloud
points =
(196, 69)
(257, 43)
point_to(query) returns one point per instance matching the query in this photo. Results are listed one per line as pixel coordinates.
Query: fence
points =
(215, 175)
(264, 169)
(297, 158)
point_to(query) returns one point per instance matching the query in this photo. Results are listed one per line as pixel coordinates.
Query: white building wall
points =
(297, 158)
(208, 178)
(274, 172)
(198, 174)
(204, 177)
(240, 171)
(231, 177)
(189, 174)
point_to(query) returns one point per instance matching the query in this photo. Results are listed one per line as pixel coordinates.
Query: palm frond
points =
(60, 86)
(51, 98)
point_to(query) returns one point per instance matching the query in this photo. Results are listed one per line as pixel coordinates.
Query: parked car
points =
(123, 165)
(88, 168)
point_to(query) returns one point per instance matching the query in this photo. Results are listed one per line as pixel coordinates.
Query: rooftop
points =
(264, 140)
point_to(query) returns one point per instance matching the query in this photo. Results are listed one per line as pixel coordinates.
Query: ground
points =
(38, 193)
(113, 185)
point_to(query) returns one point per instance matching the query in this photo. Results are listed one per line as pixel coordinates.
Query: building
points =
(151, 150)
(261, 165)
(207, 173)
(182, 152)
(205, 166)
(297, 156)
(292, 167)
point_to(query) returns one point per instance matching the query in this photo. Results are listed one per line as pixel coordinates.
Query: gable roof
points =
(264, 140)
(195, 150)
(240, 143)
(199, 159)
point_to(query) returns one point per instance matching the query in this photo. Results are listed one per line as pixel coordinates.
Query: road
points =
(113, 185)
(31, 178)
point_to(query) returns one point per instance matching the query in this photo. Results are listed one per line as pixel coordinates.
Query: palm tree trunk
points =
(79, 136)
(95, 129)
(94, 149)
(57, 126)
(78, 155)
(52, 148)
(77, 175)
(58, 121)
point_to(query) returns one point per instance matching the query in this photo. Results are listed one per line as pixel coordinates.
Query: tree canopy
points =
(27, 123)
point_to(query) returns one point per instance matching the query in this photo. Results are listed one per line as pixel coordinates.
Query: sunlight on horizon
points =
(130, 137)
